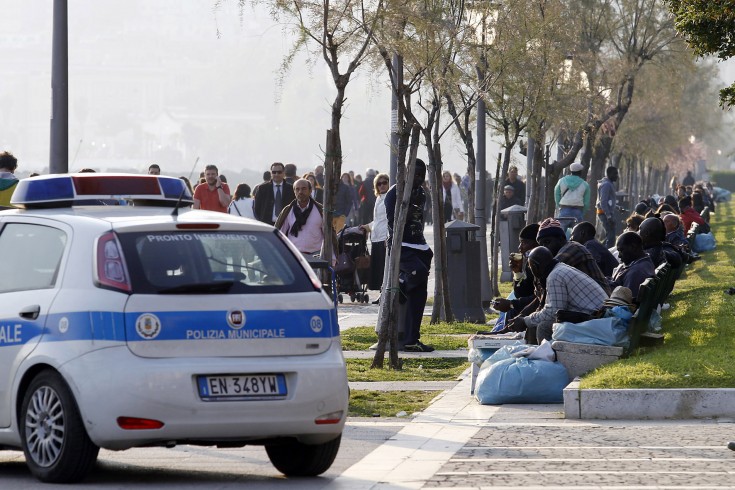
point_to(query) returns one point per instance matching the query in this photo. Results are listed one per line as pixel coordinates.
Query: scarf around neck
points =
(301, 217)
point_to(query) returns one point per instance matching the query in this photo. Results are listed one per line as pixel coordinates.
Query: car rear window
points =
(217, 262)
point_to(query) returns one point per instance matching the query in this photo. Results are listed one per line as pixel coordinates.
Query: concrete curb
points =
(648, 404)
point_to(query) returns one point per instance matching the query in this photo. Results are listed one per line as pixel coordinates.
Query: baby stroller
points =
(353, 264)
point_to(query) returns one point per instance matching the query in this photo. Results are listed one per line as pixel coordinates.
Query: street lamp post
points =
(59, 142)
(484, 35)
(395, 115)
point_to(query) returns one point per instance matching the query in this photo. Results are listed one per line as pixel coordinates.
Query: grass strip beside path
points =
(414, 369)
(368, 403)
(699, 328)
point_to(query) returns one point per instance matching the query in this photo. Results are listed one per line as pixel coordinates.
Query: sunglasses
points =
(383, 182)
(276, 171)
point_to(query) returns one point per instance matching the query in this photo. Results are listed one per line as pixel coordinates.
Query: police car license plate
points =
(241, 386)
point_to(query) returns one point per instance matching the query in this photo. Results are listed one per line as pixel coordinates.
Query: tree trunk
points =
(471, 171)
(332, 172)
(536, 203)
(434, 173)
(389, 302)
(492, 254)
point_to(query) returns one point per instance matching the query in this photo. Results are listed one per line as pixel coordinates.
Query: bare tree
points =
(335, 30)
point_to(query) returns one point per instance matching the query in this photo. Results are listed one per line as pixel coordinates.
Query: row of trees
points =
(602, 80)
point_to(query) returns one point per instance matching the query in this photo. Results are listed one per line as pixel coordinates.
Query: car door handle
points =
(30, 312)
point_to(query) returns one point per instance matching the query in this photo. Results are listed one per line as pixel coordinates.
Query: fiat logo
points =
(236, 319)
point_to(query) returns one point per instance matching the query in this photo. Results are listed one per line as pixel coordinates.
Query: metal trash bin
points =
(463, 271)
(510, 228)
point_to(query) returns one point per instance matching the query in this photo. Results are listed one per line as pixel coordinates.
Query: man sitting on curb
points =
(675, 236)
(636, 265)
(551, 236)
(584, 233)
(566, 289)
(523, 280)
(653, 235)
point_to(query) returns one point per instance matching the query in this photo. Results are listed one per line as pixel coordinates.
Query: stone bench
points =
(582, 358)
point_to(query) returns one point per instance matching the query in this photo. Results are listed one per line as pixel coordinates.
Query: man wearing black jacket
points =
(415, 261)
(272, 196)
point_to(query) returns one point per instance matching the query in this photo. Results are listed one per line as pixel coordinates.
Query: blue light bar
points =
(64, 190)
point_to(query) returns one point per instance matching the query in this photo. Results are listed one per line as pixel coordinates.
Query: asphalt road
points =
(204, 467)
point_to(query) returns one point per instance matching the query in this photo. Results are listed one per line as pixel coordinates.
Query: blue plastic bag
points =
(654, 323)
(505, 352)
(704, 242)
(521, 380)
(599, 331)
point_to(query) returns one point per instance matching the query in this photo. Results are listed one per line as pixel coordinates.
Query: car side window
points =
(32, 256)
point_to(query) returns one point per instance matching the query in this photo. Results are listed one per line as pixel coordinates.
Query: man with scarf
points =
(301, 220)
(566, 288)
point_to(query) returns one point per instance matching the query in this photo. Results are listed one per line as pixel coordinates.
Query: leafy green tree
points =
(707, 27)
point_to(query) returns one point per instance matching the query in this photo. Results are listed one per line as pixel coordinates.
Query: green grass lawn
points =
(414, 369)
(443, 336)
(699, 328)
(367, 403)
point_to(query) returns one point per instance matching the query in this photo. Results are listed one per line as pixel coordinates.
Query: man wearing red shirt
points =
(213, 195)
(689, 215)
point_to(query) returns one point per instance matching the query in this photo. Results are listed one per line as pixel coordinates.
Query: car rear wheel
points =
(297, 459)
(56, 445)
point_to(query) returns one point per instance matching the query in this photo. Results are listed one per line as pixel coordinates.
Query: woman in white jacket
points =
(242, 202)
(378, 229)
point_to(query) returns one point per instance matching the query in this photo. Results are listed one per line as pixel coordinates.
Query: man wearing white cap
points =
(572, 196)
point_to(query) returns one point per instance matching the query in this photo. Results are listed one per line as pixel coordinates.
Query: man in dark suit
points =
(272, 196)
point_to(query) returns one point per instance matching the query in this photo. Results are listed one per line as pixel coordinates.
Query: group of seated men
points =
(575, 276)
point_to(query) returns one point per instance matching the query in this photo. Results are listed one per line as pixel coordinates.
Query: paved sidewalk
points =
(458, 443)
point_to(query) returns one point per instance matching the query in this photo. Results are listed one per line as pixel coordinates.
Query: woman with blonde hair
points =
(378, 230)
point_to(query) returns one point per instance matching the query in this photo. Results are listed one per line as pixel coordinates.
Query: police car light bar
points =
(64, 190)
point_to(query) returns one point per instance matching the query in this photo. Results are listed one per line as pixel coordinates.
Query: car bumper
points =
(117, 383)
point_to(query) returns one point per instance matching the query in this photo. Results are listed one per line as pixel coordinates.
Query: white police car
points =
(132, 325)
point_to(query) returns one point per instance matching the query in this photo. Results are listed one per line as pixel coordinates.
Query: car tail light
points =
(197, 226)
(111, 270)
(329, 418)
(134, 423)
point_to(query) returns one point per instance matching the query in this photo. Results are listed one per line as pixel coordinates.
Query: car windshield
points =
(205, 262)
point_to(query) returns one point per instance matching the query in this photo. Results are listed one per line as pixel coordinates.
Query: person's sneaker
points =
(417, 347)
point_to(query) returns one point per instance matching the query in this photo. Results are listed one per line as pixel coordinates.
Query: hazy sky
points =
(142, 71)
(151, 80)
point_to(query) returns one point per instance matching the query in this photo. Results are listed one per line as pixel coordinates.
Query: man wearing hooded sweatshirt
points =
(8, 181)
(572, 196)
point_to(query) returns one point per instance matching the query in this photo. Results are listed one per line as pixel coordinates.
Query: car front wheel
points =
(297, 459)
(56, 445)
